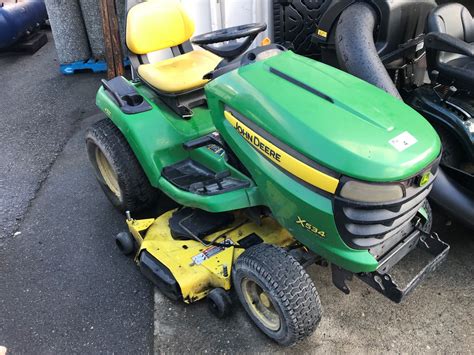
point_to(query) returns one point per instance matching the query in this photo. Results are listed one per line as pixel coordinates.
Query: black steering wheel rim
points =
(228, 34)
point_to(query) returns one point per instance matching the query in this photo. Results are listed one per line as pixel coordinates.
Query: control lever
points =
(445, 93)
(212, 138)
(451, 91)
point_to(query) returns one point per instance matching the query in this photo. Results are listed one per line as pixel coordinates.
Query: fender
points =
(156, 137)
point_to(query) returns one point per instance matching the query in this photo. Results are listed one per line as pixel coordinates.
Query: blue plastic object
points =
(91, 65)
(18, 19)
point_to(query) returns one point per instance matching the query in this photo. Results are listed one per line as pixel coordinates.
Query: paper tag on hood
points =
(402, 141)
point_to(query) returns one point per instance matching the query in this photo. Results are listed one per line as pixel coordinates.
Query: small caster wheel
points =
(219, 302)
(125, 243)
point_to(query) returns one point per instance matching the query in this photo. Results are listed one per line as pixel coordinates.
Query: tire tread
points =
(285, 278)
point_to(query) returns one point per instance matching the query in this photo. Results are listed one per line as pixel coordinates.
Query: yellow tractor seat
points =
(182, 73)
(160, 24)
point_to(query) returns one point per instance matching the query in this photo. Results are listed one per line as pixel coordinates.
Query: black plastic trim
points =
(125, 96)
(363, 225)
(160, 275)
(191, 176)
(301, 85)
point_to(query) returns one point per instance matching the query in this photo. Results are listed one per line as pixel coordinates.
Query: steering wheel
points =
(231, 50)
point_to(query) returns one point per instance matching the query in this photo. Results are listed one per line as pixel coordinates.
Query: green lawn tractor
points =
(420, 53)
(277, 162)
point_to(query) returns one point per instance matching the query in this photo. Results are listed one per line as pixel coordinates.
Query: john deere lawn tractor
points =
(417, 51)
(276, 161)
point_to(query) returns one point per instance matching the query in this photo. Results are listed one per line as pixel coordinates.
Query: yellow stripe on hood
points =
(284, 160)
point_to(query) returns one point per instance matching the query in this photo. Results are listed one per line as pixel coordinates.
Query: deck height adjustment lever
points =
(212, 138)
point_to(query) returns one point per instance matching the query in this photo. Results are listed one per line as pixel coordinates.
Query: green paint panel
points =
(288, 200)
(156, 137)
(351, 135)
(348, 132)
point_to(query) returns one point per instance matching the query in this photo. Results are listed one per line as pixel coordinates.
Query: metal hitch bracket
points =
(382, 281)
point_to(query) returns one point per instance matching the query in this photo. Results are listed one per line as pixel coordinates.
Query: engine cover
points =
(325, 116)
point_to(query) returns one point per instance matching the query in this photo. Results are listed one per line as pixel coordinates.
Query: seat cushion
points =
(463, 63)
(460, 71)
(155, 25)
(453, 19)
(181, 73)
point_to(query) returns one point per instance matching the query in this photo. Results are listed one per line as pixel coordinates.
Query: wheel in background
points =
(277, 293)
(117, 169)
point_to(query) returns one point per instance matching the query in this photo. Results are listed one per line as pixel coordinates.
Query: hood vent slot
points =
(301, 85)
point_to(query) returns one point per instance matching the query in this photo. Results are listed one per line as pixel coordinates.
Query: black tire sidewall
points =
(287, 285)
(453, 153)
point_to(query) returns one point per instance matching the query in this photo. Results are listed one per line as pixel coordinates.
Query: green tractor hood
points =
(330, 117)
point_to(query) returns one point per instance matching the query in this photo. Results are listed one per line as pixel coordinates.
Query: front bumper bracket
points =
(382, 282)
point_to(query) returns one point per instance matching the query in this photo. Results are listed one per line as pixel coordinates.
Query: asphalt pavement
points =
(40, 109)
(65, 288)
(436, 318)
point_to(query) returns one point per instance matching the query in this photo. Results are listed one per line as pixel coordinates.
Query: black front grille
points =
(365, 225)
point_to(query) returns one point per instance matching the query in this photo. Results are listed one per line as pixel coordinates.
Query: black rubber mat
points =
(295, 21)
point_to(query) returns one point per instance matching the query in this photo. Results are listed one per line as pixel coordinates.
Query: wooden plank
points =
(107, 39)
(113, 50)
(116, 43)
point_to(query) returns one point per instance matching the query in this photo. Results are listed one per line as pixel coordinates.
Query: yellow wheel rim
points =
(260, 304)
(108, 173)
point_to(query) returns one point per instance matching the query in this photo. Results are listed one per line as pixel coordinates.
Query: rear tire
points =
(117, 169)
(277, 293)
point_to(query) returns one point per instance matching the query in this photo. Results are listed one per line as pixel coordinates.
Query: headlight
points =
(359, 191)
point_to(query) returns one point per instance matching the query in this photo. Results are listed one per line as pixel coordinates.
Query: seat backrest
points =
(156, 25)
(453, 19)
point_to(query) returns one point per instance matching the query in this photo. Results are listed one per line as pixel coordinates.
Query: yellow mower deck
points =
(197, 268)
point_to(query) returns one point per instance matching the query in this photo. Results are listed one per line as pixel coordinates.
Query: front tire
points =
(277, 293)
(117, 169)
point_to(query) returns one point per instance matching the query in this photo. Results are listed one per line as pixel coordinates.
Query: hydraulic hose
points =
(453, 199)
(356, 50)
(357, 55)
